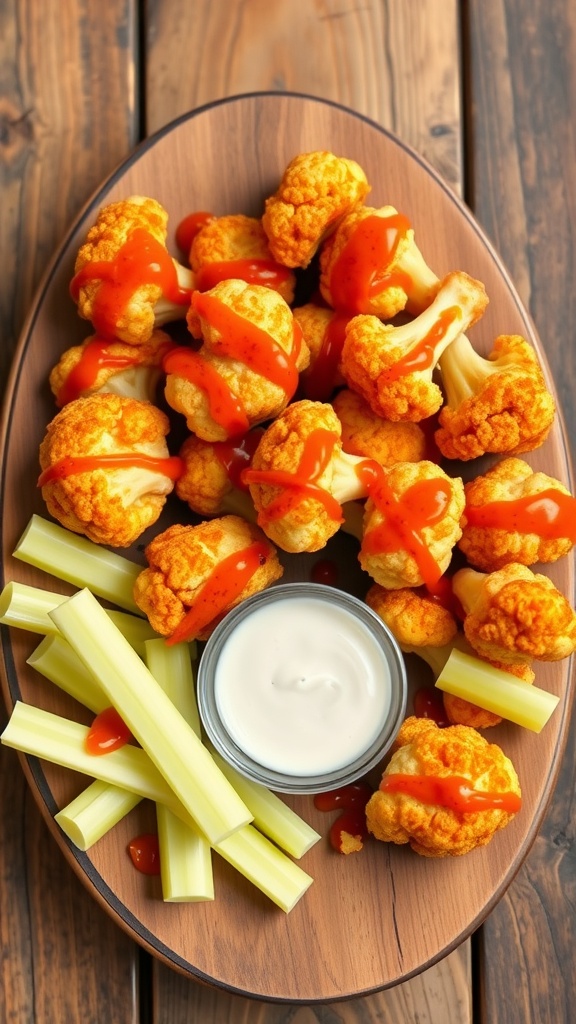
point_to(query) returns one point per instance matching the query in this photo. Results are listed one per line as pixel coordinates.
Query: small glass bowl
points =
(381, 640)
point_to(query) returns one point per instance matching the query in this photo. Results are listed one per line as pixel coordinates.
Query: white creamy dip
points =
(302, 686)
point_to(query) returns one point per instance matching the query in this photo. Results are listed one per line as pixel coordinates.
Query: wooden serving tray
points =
(375, 918)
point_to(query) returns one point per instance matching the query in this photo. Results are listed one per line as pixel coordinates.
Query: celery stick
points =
(497, 691)
(263, 864)
(171, 743)
(94, 812)
(271, 815)
(77, 560)
(172, 670)
(55, 659)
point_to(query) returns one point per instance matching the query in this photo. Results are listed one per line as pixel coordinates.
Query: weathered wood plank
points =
(377, 59)
(523, 87)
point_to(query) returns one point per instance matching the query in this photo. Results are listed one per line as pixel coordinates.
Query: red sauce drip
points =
(320, 381)
(453, 792)
(423, 504)
(108, 732)
(172, 466)
(351, 823)
(237, 454)
(263, 272)
(428, 703)
(549, 514)
(144, 852)
(362, 269)
(301, 484)
(141, 260)
(189, 227)
(95, 356)
(225, 407)
(224, 585)
(355, 795)
(325, 571)
(442, 591)
(421, 356)
(249, 344)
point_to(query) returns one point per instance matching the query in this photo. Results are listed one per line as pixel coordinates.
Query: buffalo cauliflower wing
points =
(323, 332)
(210, 482)
(365, 433)
(236, 246)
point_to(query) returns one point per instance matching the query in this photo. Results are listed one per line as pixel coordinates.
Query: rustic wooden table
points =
(486, 91)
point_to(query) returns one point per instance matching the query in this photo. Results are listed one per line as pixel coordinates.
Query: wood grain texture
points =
(523, 87)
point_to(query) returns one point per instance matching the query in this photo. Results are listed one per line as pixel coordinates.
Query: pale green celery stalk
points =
(271, 815)
(185, 854)
(270, 870)
(55, 659)
(496, 691)
(171, 743)
(94, 812)
(77, 560)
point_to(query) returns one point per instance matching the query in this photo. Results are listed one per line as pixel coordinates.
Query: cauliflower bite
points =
(108, 504)
(365, 433)
(247, 368)
(125, 282)
(99, 366)
(300, 477)
(411, 525)
(195, 575)
(323, 332)
(316, 191)
(371, 264)
(392, 367)
(237, 246)
(209, 483)
(444, 828)
(514, 514)
(515, 615)
(500, 404)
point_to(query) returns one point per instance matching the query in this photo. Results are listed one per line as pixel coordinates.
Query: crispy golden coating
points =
(260, 398)
(500, 404)
(412, 285)
(129, 370)
(237, 237)
(365, 433)
(413, 616)
(182, 559)
(146, 308)
(307, 522)
(316, 190)
(109, 505)
(392, 367)
(515, 615)
(315, 322)
(490, 546)
(395, 566)
(206, 485)
(433, 830)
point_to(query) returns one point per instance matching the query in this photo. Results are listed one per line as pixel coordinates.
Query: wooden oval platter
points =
(374, 918)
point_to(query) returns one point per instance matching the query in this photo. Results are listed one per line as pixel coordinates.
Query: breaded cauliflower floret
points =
(371, 264)
(300, 477)
(110, 505)
(512, 515)
(392, 367)
(323, 332)
(411, 525)
(192, 579)
(110, 366)
(125, 281)
(515, 615)
(435, 829)
(365, 433)
(210, 482)
(317, 189)
(247, 368)
(500, 404)
(237, 246)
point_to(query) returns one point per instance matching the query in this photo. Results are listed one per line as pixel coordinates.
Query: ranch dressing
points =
(302, 686)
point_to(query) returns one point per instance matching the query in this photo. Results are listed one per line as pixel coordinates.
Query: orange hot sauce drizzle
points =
(319, 381)
(253, 271)
(550, 514)
(223, 586)
(94, 356)
(421, 356)
(189, 227)
(172, 466)
(453, 792)
(236, 455)
(423, 504)
(108, 732)
(141, 260)
(301, 484)
(362, 269)
(225, 407)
